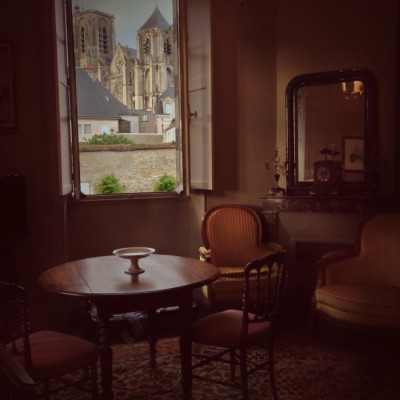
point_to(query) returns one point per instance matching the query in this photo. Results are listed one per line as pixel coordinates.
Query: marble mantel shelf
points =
(351, 204)
(355, 204)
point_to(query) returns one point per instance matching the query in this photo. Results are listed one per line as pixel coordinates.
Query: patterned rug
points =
(340, 368)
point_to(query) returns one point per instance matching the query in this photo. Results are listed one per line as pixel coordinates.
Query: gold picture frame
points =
(8, 117)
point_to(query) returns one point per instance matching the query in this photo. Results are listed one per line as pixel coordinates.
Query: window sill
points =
(127, 198)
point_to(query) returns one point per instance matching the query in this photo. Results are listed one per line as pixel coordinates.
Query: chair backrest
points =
(380, 249)
(231, 232)
(263, 288)
(14, 320)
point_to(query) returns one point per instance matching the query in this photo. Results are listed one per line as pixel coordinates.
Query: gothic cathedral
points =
(137, 77)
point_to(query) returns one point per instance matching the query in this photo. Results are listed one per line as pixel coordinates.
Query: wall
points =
(244, 99)
(137, 170)
(96, 125)
(278, 41)
(32, 149)
(316, 36)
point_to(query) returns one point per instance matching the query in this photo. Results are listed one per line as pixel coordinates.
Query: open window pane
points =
(126, 56)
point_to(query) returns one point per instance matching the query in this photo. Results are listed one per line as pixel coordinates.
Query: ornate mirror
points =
(331, 116)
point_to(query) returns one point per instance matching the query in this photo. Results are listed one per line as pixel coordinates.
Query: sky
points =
(129, 15)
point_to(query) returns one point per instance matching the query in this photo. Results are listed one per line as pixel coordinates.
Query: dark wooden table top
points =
(105, 276)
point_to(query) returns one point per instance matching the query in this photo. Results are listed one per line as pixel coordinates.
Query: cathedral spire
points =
(156, 20)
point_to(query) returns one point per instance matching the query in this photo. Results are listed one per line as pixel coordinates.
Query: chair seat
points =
(223, 329)
(361, 304)
(56, 353)
(228, 286)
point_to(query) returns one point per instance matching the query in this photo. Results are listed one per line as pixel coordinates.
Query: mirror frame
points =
(370, 184)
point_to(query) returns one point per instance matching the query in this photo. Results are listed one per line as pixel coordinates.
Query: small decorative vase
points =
(277, 191)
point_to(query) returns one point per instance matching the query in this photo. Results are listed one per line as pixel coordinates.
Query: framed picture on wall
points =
(8, 118)
(353, 154)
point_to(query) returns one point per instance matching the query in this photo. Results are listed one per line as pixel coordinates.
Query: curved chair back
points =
(223, 225)
(380, 249)
(263, 288)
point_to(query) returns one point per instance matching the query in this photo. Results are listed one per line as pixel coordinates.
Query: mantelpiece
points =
(307, 226)
(351, 204)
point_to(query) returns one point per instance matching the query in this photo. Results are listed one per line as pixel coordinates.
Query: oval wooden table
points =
(167, 281)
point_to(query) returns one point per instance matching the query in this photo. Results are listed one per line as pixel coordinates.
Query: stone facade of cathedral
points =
(137, 77)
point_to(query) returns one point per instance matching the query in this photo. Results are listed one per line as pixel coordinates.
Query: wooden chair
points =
(240, 329)
(44, 354)
(15, 382)
(231, 235)
(361, 290)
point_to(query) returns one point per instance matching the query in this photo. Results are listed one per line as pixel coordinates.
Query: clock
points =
(327, 177)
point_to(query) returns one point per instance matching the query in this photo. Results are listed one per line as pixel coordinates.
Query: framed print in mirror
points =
(8, 119)
(353, 154)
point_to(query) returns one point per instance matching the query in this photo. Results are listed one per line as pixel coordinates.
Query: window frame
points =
(183, 190)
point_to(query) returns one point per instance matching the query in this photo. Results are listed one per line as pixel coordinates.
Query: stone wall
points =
(136, 169)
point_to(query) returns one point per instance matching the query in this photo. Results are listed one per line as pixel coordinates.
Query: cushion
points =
(224, 328)
(361, 304)
(229, 285)
(55, 353)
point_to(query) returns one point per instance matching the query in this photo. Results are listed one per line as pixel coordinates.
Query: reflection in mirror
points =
(327, 114)
(331, 117)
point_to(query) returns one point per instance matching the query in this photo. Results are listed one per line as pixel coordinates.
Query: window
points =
(83, 39)
(105, 129)
(85, 188)
(105, 41)
(138, 105)
(167, 47)
(147, 46)
(119, 83)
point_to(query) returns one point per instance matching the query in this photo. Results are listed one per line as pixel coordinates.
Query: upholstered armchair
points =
(231, 235)
(362, 289)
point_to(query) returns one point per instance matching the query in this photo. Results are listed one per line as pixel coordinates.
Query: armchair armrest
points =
(335, 262)
(205, 254)
(265, 249)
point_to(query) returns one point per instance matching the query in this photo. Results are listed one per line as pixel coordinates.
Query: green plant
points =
(108, 185)
(111, 138)
(165, 183)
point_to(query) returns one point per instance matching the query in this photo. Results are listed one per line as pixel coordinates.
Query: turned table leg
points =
(186, 352)
(105, 354)
(151, 336)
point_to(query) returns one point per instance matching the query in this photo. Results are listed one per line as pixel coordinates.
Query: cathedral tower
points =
(153, 67)
(94, 39)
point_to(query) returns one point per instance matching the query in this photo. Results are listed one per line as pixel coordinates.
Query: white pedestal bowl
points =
(134, 254)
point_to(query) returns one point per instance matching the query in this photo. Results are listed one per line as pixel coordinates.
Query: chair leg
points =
(243, 373)
(233, 364)
(46, 386)
(95, 390)
(271, 368)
